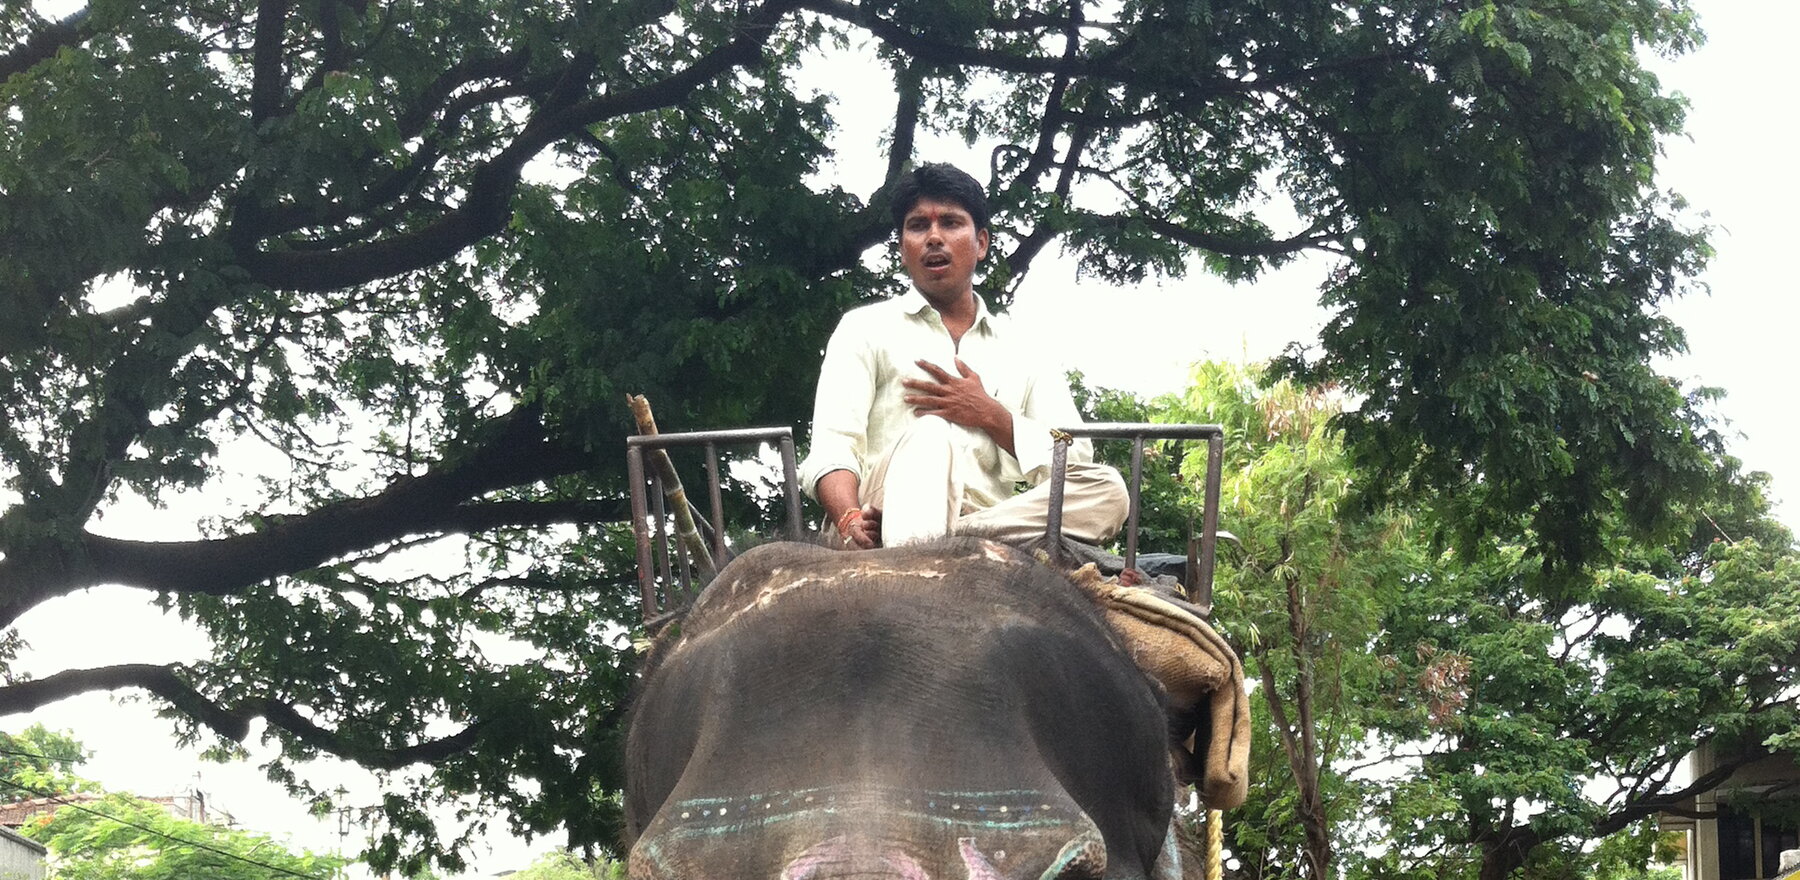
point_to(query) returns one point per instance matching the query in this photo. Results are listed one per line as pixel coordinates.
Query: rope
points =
(1215, 838)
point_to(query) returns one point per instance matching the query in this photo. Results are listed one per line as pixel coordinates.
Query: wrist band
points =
(843, 523)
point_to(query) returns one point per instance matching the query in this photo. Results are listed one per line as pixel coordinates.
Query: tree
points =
(39, 762)
(1570, 711)
(419, 250)
(120, 837)
(1299, 591)
(563, 865)
(1526, 726)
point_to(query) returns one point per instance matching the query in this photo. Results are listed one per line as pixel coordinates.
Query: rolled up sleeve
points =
(840, 408)
(1048, 405)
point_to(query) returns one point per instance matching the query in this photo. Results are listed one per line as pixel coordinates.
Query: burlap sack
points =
(1200, 672)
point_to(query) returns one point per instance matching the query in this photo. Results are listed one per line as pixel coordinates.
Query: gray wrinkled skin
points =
(947, 712)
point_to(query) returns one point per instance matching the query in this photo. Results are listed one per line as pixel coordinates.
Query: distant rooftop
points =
(188, 805)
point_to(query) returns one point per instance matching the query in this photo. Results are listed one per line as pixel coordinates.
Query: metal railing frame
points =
(1137, 433)
(660, 558)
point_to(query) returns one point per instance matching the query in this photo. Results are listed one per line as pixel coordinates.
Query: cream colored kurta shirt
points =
(860, 411)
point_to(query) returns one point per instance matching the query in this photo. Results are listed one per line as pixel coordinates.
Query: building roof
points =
(16, 814)
(17, 839)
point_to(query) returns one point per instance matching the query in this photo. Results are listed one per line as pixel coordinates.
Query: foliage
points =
(1427, 713)
(39, 762)
(124, 838)
(401, 260)
(1626, 855)
(1569, 710)
(1300, 590)
(564, 865)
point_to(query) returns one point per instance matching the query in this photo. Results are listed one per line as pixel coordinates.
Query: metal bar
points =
(1137, 485)
(1209, 522)
(634, 470)
(1059, 465)
(701, 438)
(790, 477)
(1138, 432)
(718, 504)
(664, 588)
(1128, 430)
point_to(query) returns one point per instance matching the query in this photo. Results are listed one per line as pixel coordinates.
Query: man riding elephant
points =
(930, 410)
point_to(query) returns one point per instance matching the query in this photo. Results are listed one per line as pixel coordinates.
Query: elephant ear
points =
(1209, 710)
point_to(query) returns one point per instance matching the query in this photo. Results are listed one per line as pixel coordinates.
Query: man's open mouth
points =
(936, 261)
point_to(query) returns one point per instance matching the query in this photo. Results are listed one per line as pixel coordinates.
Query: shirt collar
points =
(914, 303)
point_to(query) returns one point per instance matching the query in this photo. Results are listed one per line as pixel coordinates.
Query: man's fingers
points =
(936, 371)
(862, 536)
(964, 370)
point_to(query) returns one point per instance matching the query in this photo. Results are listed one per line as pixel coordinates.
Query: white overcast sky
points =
(1734, 164)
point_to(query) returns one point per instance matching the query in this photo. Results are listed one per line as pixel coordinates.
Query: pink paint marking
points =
(977, 864)
(905, 866)
(815, 857)
(819, 859)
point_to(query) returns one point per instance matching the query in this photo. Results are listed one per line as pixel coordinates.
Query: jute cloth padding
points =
(1199, 671)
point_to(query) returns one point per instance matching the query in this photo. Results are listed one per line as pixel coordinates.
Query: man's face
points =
(940, 246)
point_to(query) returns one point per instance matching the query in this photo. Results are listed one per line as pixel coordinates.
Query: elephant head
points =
(955, 711)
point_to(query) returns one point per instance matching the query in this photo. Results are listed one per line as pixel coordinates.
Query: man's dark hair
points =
(940, 182)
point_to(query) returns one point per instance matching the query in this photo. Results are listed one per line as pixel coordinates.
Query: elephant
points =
(949, 711)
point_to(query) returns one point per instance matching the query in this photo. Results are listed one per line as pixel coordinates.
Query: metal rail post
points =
(1137, 433)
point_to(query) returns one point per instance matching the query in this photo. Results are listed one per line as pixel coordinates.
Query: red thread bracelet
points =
(843, 523)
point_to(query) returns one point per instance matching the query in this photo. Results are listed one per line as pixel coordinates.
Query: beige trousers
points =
(919, 487)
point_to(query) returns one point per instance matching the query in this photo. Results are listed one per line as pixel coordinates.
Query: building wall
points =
(20, 859)
(1703, 854)
(1704, 840)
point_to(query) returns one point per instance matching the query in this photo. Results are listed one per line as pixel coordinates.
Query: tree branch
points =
(1219, 244)
(44, 44)
(531, 514)
(486, 206)
(232, 722)
(1110, 69)
(269, 70)
(515, 453)
(907, 83)
(1618, 819)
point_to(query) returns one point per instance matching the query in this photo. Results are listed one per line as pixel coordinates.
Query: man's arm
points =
(841, 403)
(839, 493)
(1048, 403)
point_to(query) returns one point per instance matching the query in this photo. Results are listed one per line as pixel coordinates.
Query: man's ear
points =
(982, 238)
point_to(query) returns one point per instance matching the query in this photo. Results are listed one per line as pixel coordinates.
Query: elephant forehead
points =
(750, 595)
(765, 574)
(1013, 808)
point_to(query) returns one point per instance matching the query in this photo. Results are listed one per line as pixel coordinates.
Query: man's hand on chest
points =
(960, 398)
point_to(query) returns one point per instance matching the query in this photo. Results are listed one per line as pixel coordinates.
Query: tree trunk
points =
(1500, 858)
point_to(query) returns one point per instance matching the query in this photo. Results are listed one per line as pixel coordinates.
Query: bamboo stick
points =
(685, 529)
